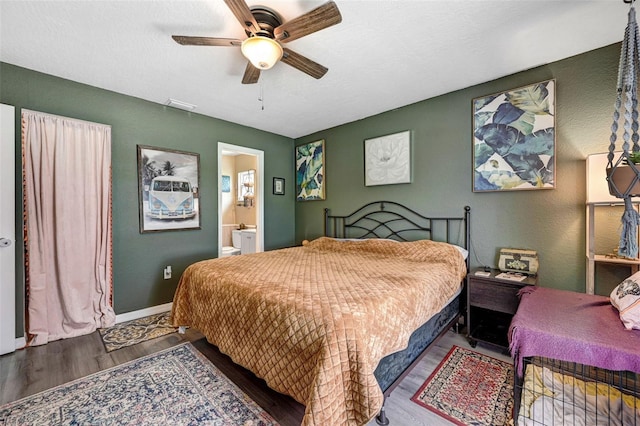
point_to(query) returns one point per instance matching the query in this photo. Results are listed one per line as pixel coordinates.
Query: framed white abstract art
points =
(387, 159)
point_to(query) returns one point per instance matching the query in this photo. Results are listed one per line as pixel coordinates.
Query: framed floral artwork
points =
(310, 171)
(387, 159)
(514, 139)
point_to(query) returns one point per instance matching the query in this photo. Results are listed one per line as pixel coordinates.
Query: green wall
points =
(138, 259)
(549, 221)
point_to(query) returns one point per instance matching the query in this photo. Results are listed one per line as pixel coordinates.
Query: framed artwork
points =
(278, 186)
(387, 159)
(310, 171)
(168, 189)
(226, 183)
(514, 139)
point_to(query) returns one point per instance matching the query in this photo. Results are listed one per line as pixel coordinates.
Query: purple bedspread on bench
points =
(573, 327)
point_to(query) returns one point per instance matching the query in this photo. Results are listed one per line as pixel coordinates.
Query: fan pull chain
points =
(261, 96)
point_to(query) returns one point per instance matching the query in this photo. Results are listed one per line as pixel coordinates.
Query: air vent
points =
(180, 105)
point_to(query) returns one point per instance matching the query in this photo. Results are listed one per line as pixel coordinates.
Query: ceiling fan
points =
(266, 31)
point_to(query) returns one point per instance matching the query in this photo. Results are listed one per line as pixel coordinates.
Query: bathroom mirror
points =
(246, 181)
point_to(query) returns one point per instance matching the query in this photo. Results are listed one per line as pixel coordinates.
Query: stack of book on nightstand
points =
(513, 276)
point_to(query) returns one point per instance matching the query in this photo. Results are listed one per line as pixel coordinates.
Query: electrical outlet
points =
(167, 272)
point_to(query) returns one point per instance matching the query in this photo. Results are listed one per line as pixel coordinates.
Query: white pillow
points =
(626, 298)
(462, 250)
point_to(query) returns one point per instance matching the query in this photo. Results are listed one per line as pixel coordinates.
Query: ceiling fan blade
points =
(206, 41)
(304, 64)
(251, 74)
(243, 15)
(316, 20)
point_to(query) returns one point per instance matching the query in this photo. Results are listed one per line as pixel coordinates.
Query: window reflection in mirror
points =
(246, 181)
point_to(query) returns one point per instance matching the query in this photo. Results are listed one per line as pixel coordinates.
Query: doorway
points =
(240, 195)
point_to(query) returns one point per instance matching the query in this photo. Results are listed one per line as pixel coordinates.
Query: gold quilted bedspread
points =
(314, 321)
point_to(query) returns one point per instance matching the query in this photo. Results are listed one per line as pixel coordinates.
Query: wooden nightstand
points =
(491, 303)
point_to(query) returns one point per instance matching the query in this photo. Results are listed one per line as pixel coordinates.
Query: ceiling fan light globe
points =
(262, 52)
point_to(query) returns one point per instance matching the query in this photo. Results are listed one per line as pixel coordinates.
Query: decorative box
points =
(518, 260)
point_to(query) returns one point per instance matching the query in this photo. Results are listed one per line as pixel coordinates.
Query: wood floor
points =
(35, 369)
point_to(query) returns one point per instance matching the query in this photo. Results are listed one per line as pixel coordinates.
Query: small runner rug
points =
(139, 330)
(469, 388)
(177, 386)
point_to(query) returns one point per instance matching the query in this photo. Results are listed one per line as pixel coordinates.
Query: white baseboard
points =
(128, 316)
(20, 342)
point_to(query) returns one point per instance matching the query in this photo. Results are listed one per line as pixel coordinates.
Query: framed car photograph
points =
(168, 182)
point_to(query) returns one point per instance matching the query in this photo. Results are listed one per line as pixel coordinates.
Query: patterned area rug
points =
(131, 332)
(177, 386)
(469, 388)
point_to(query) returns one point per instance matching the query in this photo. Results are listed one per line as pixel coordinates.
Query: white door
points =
(7, 230)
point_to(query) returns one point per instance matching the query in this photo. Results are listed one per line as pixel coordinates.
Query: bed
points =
(575, 363)
(337, 322)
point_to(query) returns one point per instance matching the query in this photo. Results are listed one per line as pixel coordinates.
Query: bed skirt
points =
(392, 366)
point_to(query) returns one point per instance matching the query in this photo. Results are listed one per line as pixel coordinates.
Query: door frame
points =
(258, 191)
(8, 230)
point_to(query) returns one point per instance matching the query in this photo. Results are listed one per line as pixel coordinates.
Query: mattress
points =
(314, 321)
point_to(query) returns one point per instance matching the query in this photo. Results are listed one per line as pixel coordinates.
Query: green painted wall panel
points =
(549, 221)
(138, 259)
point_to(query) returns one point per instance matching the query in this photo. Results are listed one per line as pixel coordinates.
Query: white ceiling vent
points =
(180, 104)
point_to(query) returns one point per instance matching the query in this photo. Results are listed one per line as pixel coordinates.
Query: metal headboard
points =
(388, 219)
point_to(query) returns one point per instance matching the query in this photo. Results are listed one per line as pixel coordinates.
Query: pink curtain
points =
(67, 196)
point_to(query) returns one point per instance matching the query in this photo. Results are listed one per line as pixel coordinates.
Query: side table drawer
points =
(494, 296)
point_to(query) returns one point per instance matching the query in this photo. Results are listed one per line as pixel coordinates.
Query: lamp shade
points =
(262, 52)
(597, 185)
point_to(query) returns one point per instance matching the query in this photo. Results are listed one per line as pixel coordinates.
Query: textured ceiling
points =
(384, 54)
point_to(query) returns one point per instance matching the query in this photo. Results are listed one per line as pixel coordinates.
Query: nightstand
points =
(491, 303)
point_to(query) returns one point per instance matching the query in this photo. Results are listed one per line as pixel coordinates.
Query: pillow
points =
(365, 239)
(462, 250)
(626, 298)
